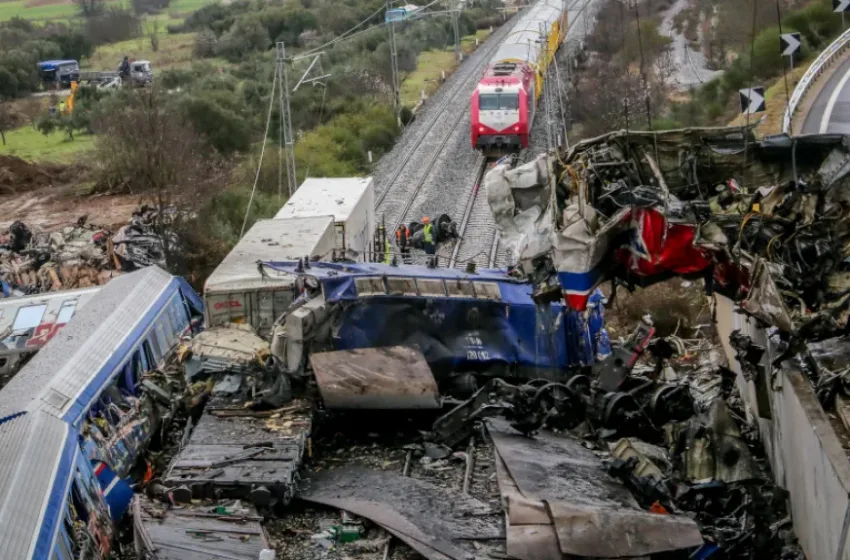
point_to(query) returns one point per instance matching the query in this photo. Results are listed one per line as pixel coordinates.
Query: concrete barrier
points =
(805, 454)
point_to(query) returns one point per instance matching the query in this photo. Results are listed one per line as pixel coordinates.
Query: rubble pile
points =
(646, 453)
(764, 222)
(78, 256)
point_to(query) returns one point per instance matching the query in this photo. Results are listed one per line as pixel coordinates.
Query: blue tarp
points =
(48, 65)
(454, 332)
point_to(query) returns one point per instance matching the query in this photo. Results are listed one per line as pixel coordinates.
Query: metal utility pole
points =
(456, 27)
(286, 118)
(394, 62)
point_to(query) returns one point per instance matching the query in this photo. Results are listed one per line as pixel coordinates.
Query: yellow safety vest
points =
(387, 252)
(428, 237)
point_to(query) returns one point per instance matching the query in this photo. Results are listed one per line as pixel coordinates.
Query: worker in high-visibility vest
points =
(428, 239)
(388, 252)
(402, 239)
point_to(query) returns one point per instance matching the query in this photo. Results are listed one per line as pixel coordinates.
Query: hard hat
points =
(426, 219)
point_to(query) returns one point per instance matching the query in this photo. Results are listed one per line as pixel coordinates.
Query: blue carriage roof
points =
(78, 361)
(340, 280)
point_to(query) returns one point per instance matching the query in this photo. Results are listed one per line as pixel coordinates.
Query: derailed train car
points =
(27, 323)
(763, 221)
(504, 104)
(484, 322)
(76, 418)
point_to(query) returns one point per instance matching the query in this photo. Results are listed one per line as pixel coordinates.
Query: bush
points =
(8, 84)
(113, 25)
(205, 44)
(816, 22)
(223, 129)
(244, 37)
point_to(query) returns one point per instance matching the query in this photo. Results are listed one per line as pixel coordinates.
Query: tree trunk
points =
(3, 137)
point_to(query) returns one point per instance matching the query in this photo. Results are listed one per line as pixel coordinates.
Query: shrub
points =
(244, 37)
(223, 129)
(205, 44)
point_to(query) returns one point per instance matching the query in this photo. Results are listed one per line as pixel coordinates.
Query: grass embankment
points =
(33, 9)
(29, 144)
(174, 51)
(429, 68)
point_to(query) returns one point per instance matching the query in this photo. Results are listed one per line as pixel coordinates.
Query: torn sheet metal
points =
(560, 497)
(194, 533)
(436, 522)
(393, 378)
(551, 467)
(460, 321)
(604, 532)
(714, 448)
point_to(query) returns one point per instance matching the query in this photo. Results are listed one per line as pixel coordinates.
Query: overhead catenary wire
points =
(262, 153)
(347, 35)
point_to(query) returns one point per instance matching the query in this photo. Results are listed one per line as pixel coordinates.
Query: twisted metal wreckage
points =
(608, 451)
(641, 207)
(631, 449)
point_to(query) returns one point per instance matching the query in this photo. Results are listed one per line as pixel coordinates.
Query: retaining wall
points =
(805, 454)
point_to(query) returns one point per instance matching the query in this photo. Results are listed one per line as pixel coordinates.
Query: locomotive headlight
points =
(481, 129)
(516, 128)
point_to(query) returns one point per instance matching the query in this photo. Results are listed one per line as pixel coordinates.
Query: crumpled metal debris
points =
(765, 222)
(78, 256)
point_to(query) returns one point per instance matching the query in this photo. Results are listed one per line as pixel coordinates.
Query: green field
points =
(8, 10)
(65, 9)
(429, 68)
(31, 145)
(174, 50)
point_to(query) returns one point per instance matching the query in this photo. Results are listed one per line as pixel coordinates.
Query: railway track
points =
(398, 193)
(479, 238)
(438, 169)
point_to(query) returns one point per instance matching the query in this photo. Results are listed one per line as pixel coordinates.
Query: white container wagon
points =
(239, 292)
(350, 200)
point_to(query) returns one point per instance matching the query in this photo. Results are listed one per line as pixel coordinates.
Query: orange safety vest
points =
(398, 235)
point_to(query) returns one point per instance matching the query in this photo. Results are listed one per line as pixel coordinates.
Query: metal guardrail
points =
(821, 63)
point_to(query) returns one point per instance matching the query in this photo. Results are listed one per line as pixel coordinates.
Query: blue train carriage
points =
(102, 385)
(482, 321)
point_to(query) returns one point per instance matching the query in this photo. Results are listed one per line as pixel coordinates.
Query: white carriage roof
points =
(268, 240)
(322, 196)
(55, 376)
(35, 449)
(524, 42)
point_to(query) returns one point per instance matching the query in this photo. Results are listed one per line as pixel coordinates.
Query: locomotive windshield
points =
(498, 101)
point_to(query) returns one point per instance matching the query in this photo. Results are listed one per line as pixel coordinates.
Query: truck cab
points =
(141, 72)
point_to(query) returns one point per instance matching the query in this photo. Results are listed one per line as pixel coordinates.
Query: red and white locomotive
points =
(503, 105)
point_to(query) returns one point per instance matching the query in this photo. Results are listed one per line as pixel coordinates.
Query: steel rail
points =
(491, 45)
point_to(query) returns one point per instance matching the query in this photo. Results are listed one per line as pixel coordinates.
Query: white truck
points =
(350, 200)
(239, 292)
